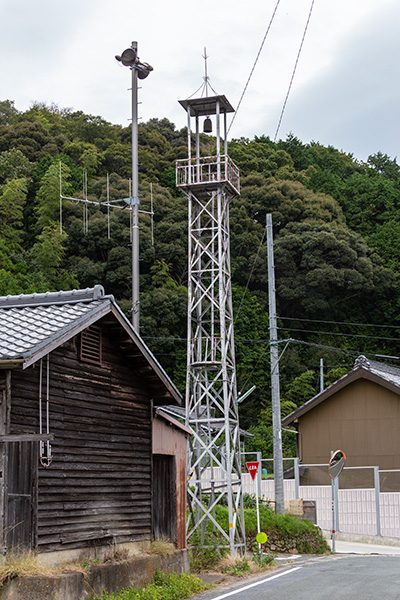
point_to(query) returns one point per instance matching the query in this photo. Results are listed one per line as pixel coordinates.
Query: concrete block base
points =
(135, 572)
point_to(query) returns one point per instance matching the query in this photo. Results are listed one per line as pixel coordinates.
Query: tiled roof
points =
(33, 325)
(23, 328)
(388, 372)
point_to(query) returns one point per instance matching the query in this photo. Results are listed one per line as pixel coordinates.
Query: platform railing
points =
(207, 170)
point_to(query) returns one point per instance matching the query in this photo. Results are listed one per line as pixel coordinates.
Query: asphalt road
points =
(334, 577)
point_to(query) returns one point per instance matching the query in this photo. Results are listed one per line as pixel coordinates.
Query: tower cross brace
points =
(211, 395)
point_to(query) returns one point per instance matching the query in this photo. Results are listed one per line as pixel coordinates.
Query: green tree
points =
(13, 165)
(327, 271)
(47, 255)
(8, 112)
(48, 196)
(12, 201)
(301, 389)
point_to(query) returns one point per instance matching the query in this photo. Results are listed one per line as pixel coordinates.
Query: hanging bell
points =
(207, 127)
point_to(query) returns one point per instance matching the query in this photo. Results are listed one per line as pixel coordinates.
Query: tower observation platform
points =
(201, 174)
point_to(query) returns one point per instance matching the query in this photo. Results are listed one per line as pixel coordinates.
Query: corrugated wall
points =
(168, 440)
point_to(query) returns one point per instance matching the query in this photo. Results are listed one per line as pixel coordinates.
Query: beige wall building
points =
(359, 414)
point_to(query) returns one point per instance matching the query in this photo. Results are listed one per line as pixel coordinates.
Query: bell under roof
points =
(203, 107)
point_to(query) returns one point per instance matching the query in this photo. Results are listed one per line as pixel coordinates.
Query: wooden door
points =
(164, 498)
(21, 495)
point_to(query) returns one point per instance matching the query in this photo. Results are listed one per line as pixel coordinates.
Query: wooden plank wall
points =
(3, 430)
(98, 488)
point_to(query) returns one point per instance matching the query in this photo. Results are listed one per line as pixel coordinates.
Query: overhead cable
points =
(348, 335)
(294, 71)
(337, 322)
(249, 277)
(254, 66)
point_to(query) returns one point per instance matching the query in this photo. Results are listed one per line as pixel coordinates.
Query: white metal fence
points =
(357, 509)
(358, 512)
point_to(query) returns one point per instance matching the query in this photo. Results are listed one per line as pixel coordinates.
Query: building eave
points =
(354, 375)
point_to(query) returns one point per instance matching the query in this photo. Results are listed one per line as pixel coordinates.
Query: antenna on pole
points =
(140, 70)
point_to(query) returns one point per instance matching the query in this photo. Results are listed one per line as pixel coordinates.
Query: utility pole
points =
(140, 70)
(275, 390)
(129, 58)
(321, 375)
(135, 198)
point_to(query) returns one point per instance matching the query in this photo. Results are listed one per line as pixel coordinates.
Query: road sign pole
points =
(333, 516)
(335, 467)
(257, 506)
(252, 468)
(261, 538)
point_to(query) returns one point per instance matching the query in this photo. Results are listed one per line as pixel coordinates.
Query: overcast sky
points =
(346, 91)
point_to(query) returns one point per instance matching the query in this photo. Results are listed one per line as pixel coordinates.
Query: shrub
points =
(207, 554)
(286, 532)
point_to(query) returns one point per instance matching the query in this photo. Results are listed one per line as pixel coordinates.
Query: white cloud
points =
(346, 82)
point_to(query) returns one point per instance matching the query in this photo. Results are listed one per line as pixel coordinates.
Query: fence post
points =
(259, 472)
(337, 504)
(377, 503)
(296, 479)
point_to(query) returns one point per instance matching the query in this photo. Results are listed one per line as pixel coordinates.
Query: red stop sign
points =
(252, 468)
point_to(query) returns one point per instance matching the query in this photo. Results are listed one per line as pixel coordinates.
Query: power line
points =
(356, 335)
(249, 277)
(346, 352)
(330, 348)
(294, 70)
(338, 322)
(254, 66)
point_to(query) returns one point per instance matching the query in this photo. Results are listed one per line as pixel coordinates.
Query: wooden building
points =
(359, 414)
(170, 478)
(77, 390)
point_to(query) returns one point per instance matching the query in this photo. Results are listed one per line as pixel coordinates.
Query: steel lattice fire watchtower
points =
(211, 395)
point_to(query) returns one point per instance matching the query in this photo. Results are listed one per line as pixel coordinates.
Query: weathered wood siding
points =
(3, 429)
(164, 497)
(21, 506)
(98, 488)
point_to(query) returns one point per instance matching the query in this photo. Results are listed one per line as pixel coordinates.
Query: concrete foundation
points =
(374, 540)
(51, 559)
(135, 572)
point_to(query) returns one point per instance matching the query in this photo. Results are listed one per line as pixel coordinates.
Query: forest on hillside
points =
(336, 243)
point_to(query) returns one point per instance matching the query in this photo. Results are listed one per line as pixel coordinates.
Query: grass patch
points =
(116, 554)
(164, 587)
(161, 547)
(24, 564)
(238, 567)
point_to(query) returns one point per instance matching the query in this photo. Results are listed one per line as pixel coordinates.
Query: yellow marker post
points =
(261, 538)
